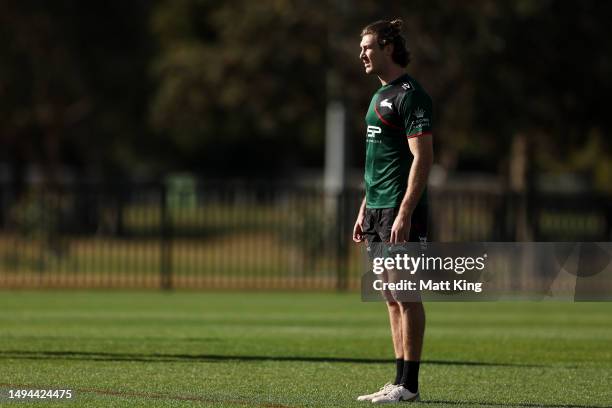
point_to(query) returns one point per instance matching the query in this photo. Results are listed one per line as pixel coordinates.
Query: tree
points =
(72, 85)
(242, 79)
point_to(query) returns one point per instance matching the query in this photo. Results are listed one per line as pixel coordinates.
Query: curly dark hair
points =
(390, 32)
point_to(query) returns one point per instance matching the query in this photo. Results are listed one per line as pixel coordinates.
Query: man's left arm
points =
(422, 149)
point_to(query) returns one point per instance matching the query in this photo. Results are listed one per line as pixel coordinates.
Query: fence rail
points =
(241, 235)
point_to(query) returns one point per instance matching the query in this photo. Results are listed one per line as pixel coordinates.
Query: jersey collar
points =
(399, 79)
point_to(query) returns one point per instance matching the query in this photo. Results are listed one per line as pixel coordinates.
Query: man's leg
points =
(412, 327)
(413, 330)
(413, 312)
(375, 249)
(395, 321)
(412, 319)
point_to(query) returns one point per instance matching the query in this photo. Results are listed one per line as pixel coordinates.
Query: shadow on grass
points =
(158, 357)
(514, 404)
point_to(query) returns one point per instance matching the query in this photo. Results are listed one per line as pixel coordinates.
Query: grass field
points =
(289, 350)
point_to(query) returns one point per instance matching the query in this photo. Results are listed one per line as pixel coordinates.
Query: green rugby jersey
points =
(398, 111)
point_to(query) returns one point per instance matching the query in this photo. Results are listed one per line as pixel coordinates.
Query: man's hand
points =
(358, 229)
(400, 231)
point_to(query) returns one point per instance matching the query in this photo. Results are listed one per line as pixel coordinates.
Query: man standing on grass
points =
(399, 155)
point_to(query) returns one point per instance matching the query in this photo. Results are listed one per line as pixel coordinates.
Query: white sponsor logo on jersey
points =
(419, 112)
(406, 86)
(373, 131)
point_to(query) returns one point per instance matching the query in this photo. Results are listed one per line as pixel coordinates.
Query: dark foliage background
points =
(239, 88)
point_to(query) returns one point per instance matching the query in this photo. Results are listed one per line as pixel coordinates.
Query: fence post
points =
(503, 217)
(165, 240)
(120, 193)
(341, 240)
(608, 208)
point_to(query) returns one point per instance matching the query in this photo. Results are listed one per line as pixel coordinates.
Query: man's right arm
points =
(358, 228)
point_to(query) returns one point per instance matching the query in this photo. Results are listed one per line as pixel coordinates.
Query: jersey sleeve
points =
(417, 114)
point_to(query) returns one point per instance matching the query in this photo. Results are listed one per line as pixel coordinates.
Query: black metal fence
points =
(243, 235)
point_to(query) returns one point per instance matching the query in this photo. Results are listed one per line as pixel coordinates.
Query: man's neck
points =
(394, 72)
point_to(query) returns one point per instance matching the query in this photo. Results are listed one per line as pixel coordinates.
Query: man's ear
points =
(388, 49)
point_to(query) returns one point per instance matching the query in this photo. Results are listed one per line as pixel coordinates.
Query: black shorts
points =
(377, 224)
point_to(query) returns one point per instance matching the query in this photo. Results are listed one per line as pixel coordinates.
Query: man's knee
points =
(411, 306)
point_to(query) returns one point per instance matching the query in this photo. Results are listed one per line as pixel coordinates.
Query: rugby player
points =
(399, 155)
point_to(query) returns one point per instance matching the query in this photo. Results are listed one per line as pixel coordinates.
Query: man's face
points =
(373, 57)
